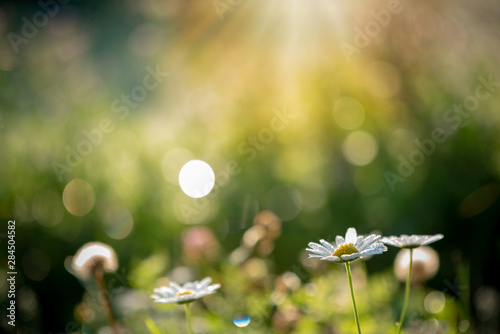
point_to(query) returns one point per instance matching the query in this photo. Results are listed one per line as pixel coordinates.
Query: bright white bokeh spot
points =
(196, 178)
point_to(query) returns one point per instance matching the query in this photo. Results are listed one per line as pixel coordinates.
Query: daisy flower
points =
(185, 294)
(411, 241)
(346, 250)
(92, 256)
(91, 261)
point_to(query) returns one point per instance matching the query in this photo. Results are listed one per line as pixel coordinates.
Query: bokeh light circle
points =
(78, 197)
(348, 113)
(196, 178)
(360, 148)
(425, 264)
(434, 302)
(117, 221)
(241, 320)
(46, 208)
(28, 304)
(35, 264)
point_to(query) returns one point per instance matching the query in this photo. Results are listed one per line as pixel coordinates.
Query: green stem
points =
(188, 318)
(347, 266)
(407, 293)
(152, 326)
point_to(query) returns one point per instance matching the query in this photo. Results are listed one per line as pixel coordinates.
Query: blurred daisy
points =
(187, 293)
(92, 256)
(411, 241)
(92, 260)
(345, 251)
(348, 249)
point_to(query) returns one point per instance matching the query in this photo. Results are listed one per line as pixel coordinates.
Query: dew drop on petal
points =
(241, 320)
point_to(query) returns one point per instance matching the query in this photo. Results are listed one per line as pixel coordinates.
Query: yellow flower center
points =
(345, 249)
(182, 293)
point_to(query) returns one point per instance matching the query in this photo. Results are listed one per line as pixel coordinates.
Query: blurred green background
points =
(318, 115)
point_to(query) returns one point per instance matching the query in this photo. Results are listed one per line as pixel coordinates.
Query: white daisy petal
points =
(318, 251)
(351, 235)
(161, 300)
(318, 247)
(213, 287)
(359, 242)
(188, 292)
(378, 245)
(411, 241)
(348, 249)
(347, 257)
(370, 252)
(164, 291)
(368, 241)
(432, 239)
(391, 241)
(204, 283)
(315, 255)
(339, 240)
(327, 245)
(374, 250)
(176, 287)
(190, 286)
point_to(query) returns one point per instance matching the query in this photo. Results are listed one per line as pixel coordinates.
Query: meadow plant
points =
(409, 242)
(346, 250)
